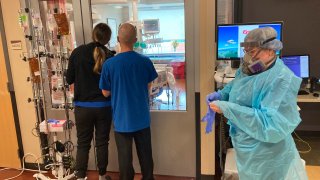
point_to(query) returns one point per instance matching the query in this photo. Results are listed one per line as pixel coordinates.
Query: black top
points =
(80, 72)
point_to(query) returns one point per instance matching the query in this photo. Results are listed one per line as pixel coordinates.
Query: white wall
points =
(107, 11)
(170, 28)
(20, 72)
(171, 21)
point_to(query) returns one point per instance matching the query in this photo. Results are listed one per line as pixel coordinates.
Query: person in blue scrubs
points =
(261, 107)
(127, 77)
(92, 109)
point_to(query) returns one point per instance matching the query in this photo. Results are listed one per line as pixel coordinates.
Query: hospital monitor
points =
(298, 64)
(229, 37)
(151, 26)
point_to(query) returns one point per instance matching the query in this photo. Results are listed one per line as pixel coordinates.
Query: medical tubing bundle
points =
(36, 77)
(57, 155)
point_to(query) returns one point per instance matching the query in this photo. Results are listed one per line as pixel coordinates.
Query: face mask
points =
(257, 66)
(252, 67)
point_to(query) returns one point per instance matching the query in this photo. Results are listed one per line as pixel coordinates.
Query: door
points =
(165, 35)
(9, 143)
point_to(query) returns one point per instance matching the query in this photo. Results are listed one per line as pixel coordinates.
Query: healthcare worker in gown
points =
(261, 107)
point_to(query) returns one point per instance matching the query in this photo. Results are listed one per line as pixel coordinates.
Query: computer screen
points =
(229, 37)
(151, 26)
(299, 64)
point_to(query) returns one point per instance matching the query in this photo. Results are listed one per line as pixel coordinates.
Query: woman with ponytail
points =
(92, 109)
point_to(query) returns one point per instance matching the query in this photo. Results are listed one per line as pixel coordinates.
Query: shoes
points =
(104, 177)
(82, 178)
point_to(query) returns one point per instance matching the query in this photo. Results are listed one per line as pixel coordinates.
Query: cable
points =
(69, 147)
(305, 142)
(19, 169)
(34, 132)
(222, 143)
(224, 76)
(23, 169)
(48, 166)
(41, 158)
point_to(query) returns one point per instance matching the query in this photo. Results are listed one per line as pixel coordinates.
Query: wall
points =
(301, 25)
(300, 36)
(8, 149)
(167, 23)
(20, 72)
(165, 16)
(206, 65)
(107, 11)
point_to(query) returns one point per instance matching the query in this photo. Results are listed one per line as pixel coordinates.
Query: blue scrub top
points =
(127, 76)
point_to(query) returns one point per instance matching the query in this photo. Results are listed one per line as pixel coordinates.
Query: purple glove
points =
(213, 97)
(209, 118)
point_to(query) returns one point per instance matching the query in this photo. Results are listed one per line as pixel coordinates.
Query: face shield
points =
(256, 42)
(251, 64)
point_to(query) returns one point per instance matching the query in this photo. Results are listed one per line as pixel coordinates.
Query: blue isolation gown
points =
(262, 113)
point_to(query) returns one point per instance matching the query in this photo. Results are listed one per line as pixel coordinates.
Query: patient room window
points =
(161, 37)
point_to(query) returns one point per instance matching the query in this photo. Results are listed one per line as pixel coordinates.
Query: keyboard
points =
(303, 92)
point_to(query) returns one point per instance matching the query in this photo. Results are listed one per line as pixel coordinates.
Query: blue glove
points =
(209, 118)
(213, 97)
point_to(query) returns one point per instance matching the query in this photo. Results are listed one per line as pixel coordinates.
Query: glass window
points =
(161, 37)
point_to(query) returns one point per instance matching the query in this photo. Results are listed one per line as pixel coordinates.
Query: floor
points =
(313, 174)
(310, 155)
(171, 101)
(92, 175)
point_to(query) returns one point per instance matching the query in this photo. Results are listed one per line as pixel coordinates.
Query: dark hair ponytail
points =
(100, 35)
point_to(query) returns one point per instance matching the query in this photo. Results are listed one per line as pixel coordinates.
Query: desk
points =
(309, 112)
(308, 98)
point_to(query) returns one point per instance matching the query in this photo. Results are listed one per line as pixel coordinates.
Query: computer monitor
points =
(151, 26)
(299, 64)
(229, 37)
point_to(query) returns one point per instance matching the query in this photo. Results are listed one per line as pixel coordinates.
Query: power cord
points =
(23, 167)
(224, 76)
(69, 147)
(303, 141)
(36, 130)
(221, 144)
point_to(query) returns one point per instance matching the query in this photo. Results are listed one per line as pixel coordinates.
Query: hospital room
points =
(159, 90)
